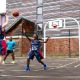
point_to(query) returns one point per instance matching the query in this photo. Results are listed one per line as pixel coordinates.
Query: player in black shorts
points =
(10, 47)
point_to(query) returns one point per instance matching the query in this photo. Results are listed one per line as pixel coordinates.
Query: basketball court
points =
(58, 69)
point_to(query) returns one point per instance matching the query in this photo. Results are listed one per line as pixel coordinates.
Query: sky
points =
(2, 6)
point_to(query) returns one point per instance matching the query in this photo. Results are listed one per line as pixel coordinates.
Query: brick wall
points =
(61, 8)
(61, 47)
(25, 45)
(55, 47)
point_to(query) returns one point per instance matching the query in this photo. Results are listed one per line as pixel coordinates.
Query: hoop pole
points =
(44, 40)
(79, 40)
(64, 23)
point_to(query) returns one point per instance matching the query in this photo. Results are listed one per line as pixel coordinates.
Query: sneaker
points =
(27, 68)
(13, 62)
(3, 62)
(45, 67)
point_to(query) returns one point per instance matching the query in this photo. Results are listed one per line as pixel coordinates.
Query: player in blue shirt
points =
(10, 46)
(34, 51)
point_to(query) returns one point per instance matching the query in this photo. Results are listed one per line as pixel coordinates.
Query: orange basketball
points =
(15, 13)
(55, 26)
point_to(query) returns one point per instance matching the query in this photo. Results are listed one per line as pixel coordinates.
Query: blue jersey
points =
(10, 45)
(35, 45)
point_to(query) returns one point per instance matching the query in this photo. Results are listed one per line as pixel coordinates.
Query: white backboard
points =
(56, 22)
(2, 6)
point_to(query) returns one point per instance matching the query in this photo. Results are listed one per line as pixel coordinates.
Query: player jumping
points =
(35, 51)
(3, 24)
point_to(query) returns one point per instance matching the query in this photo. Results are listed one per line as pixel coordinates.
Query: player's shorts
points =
(10, 51)
(41, 54)
(3, 47)
(34, 53)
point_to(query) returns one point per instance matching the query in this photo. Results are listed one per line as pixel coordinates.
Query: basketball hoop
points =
(55, 24)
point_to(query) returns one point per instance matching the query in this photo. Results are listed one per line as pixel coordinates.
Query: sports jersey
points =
(35, 45)
(10, 45)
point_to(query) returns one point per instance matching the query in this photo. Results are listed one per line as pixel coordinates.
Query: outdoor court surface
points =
(58, 69)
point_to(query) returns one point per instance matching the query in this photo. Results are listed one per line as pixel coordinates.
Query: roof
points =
(17, 22)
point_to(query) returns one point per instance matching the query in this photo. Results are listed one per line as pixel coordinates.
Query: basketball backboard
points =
(55, 24)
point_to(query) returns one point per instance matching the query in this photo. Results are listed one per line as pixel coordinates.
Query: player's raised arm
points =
(6, 22)
(28, 37)
(24, 32)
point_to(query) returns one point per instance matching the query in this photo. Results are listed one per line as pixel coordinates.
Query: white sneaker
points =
(13, 62)
(3, 62)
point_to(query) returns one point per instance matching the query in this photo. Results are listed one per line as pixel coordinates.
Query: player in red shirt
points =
(3, 24)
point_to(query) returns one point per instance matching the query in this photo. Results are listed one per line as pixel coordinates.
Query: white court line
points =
(24, 70)
(41, 77)
(8, 64)
(12, 70)
(67, 64)
(2, 70)
(55, 63)
(17, 70)
(38, 70)
(63, 66)
(77, 66)
(26, 76)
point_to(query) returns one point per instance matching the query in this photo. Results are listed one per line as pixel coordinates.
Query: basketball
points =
(55, 26)
(15, 13)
